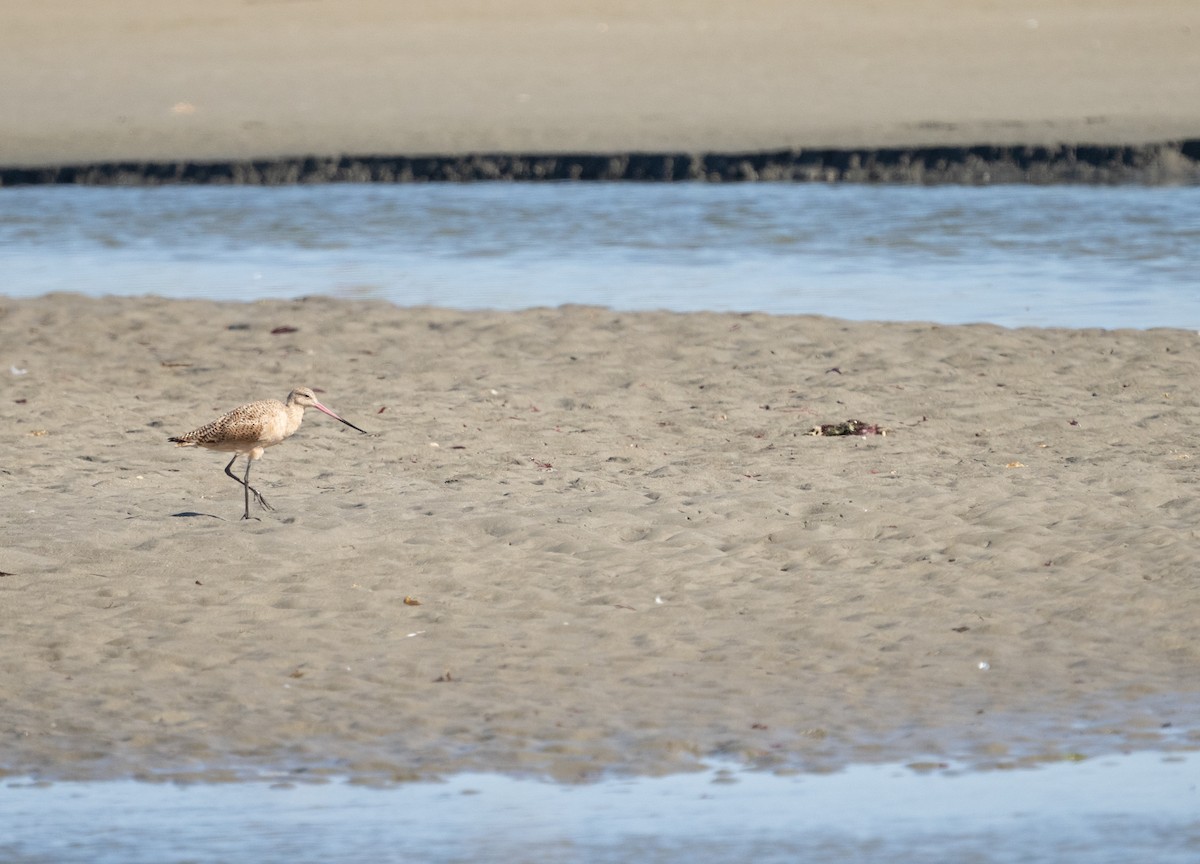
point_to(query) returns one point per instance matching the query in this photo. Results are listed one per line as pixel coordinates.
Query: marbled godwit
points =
(249, 430)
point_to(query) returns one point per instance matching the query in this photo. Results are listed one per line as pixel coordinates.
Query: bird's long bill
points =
(325, 410)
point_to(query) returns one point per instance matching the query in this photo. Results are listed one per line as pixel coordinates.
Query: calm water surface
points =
(1113, 810)
(1011, 255)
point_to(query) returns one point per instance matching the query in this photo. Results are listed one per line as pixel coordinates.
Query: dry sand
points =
(143, 80)
(628, 553)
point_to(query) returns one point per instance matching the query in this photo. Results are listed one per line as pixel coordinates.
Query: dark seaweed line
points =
(1169, 162)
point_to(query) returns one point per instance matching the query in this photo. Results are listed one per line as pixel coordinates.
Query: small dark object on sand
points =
(850, 427)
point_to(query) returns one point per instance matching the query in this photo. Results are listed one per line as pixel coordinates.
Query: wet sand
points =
(627, 551)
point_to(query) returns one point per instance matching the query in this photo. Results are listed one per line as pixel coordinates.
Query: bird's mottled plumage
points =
(249, 429)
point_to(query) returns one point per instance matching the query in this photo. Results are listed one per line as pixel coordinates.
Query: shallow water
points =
(1010, 255)
(1139, 807)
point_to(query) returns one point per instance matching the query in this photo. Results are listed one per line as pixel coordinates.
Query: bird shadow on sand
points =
(191, 513)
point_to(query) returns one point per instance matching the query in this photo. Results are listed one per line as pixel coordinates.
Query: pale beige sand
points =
(540, 481)
(235, 79)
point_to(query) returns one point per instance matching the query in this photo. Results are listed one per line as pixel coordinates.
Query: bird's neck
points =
(295, 415)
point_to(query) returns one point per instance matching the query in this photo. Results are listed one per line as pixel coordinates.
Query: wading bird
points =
(249, 430)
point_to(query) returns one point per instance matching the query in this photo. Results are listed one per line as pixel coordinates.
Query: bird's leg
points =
(262, 502)
(248, 488)
(246, 512)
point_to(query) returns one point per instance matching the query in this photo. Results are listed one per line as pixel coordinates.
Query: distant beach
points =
(279, 92)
